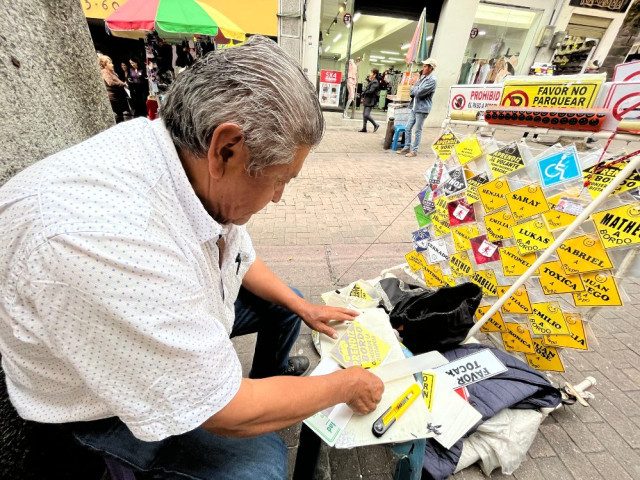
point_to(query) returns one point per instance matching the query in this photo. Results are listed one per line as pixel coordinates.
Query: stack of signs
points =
(493, 212)
(359, 347)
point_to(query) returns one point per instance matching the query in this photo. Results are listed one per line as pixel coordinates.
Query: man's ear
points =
(226, 148)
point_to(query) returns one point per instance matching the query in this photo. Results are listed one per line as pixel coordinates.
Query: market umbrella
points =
(417, 51)
(171, 18)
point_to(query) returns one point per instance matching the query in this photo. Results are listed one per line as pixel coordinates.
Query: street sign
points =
(346, 18)
(474, 97)
(559, 167)
(570, 91)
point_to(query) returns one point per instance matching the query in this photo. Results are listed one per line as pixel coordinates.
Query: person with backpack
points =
(370, 98)
(419, 107)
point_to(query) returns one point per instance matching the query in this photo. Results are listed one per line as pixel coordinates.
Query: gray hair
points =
(256, 86)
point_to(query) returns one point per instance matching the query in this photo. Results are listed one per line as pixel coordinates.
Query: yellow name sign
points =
(619, 227)
(583, 254)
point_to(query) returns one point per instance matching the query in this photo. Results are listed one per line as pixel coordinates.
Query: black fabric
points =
(436, 320)
(396, 290)
(519, 387)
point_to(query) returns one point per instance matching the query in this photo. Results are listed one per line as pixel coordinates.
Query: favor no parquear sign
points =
(474, 97)
(568, 91)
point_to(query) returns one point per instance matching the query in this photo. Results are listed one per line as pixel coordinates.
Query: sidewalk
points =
(348, 216)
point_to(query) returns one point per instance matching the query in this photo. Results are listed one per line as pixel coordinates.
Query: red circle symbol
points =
(634, 74)
(473, 33)
(619, 111)
(517, 98)
(458, 102)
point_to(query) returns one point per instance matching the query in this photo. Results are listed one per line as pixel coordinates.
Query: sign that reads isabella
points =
(329, 94)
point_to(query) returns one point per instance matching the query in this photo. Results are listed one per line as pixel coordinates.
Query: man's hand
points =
(317, 317)
(366, 390)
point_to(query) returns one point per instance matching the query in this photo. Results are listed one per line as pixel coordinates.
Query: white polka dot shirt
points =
(112, 301)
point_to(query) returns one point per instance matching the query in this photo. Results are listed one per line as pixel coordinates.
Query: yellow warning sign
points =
(600, 177)
(428, 387)
(495, 322)
(547, 319)
(442, 211)
(461, 236)
(556, 219)
(492, 194)
(619, 227)
(450, 280)
(359, 346)
(506, 160)
(577, 337)
(518, 302)
(527, 202)
(513, 262)
(583, 254)
(460, 265)
(440, 228)
(545, 357)
(433, 275)
(569, 92)
(498, 225)
(444, 145)
(532, 236)
(416, 261)
(554, 280)
(358, 292)
(486, 280)
(601, 290)
(517, 338)
(473, 184)
(468, 150)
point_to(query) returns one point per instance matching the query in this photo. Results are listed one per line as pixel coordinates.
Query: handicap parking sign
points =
(559, 167)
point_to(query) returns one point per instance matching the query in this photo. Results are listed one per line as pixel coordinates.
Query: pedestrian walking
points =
(419, 107)
(370, 96)
(115, 87)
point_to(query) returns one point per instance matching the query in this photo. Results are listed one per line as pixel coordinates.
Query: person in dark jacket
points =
(139, 87)
(370, 98)
(115, 87)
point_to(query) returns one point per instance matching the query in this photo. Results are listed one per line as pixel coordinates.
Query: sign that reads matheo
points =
(506, 160)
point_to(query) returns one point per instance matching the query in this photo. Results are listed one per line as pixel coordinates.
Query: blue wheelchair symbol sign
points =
(559, 167)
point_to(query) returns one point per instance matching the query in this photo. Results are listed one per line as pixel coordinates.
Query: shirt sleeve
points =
(135, 320)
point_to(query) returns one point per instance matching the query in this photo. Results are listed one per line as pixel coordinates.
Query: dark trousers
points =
(366, 116)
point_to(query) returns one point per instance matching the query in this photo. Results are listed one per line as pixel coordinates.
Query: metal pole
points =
(633, 164)
(346, 64)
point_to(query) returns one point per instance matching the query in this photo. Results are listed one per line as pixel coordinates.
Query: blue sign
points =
(421, 239)
(559, 167)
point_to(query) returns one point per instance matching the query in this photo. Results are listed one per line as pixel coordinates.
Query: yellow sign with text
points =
(547, 319)
(619, 227)
(506, 160)
(468, 150)
(583, 254)
(487, 281)
(100, 8)
(518, 302)
(601, 176)
(416, 261)
(473, 184)
(440, 228)
(554, 280)
(532, 236)
(462, 235)
(444, 146)
(460, 265)
(601, 290)
(577, 338)
(358, 292)
(498, 225)
(495, 322)
(433, 275)
(568, 92)
(513, 262)
(450, 280)
(428, 388)
(527, 202)
(556, 219)
(492, 195)
(517, 338)
(545, 358)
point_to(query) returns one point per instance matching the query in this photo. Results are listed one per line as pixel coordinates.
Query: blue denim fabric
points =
(200, 454)
(417, 119)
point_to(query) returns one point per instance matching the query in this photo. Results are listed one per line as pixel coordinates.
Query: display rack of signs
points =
(474, 97)
(495, 207)
(329, 94)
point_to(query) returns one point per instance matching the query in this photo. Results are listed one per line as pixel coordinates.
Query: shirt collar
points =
(205, 227)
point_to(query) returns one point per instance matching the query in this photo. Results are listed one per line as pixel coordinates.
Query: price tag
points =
(619, 227)
(415, 260)
(527, 202)
(577, 337)
(554, 280)
(484, 251)
(473, 184)
(492, 195)
(547, 319)
(443, 146)
(460, 265)
(462, 235)
(433, 276)
(506, 160)
(518, 302)
(572, 206)
(495, 322)
(583, 254)
(487, 281)
(532, 236)
(468, 150)
(498, 225)
(437, 251)
(601, 290)
(513, 262)
(599, 181)
(544, 358)
(517, 338)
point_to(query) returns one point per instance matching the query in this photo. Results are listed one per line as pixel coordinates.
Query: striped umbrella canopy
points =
(418, 51)
(172, 18)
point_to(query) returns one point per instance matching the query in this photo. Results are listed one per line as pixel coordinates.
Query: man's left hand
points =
(317, 317)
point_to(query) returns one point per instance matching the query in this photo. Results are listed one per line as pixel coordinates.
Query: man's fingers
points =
(328, 331)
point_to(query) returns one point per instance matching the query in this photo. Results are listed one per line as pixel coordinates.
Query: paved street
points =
(348, 216)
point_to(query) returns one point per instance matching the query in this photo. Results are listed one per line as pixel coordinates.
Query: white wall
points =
(310, 40)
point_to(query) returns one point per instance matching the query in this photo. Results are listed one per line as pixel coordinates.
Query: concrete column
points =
(52, 94)
(452, 34)
(290, 27)
(310, 39)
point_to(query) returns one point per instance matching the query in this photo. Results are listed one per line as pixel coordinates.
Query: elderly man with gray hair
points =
(125, 269)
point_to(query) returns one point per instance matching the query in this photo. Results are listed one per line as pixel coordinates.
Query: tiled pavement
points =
(348, 216)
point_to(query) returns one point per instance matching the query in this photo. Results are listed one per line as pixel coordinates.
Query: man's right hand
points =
(365, 390)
